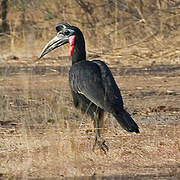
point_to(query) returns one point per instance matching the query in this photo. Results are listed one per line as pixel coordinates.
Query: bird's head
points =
(65, 34)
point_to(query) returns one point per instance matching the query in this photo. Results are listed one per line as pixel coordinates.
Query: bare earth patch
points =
(42, 135)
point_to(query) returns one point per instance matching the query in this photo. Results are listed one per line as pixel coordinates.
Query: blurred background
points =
(139, 30)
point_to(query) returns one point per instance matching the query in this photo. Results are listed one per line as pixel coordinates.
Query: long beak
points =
(54, 43)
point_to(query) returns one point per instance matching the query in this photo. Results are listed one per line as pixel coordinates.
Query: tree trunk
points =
(4, 10)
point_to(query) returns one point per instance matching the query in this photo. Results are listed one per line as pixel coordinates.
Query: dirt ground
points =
(42, 135)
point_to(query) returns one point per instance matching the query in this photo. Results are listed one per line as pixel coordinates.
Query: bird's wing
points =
(85, 79)
(94, 80)
(112, 92)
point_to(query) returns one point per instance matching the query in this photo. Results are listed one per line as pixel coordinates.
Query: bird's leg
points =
(98, 125)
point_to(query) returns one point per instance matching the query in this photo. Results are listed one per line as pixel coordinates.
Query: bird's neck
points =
(79, 54)
(77, 49)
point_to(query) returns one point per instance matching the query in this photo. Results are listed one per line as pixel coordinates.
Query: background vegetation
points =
(43, 135)
(110, 26)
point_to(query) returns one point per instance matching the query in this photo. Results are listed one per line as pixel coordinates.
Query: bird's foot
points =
(101, 143)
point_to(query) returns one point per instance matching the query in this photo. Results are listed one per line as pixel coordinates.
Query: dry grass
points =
(42, 135)
(51, 152)
(129, 32)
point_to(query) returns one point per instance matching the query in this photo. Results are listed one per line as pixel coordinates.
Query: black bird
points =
(93, 87)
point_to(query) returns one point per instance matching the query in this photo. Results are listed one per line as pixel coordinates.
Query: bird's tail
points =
(126, 121)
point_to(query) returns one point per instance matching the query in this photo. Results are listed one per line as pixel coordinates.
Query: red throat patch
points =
(71, 42)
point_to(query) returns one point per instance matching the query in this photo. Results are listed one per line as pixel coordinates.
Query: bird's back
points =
(94, 80)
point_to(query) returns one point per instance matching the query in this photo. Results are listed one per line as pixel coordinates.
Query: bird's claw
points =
(102, 145)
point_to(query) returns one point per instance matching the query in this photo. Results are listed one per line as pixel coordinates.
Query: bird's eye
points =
(66, 33)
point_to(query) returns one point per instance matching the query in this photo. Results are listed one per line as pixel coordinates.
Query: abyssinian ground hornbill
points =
(93, 87)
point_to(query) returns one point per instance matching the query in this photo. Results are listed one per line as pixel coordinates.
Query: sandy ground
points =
(42, 135)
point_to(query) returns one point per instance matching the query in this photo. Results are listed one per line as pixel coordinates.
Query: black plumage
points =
(93, 87)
